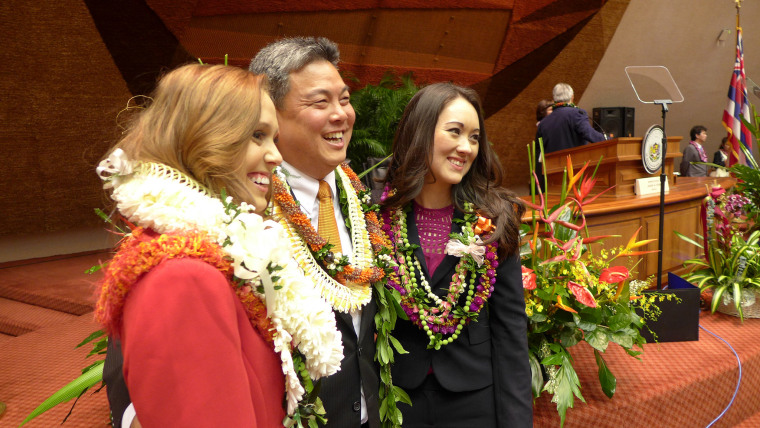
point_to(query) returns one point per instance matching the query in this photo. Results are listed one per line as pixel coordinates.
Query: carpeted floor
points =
(45, 311)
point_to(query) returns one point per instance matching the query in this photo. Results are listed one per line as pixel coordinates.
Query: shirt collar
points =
(305, 188)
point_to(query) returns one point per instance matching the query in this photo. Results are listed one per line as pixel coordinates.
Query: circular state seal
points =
(653, 149)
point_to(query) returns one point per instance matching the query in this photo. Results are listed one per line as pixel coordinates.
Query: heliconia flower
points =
(563, 306)
(574, 177)
(582, 294)
(632, 243)
(585, 188)
(592, 239)
(614, 274)
(528, 278)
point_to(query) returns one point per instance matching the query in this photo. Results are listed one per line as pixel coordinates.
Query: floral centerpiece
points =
(575, 293)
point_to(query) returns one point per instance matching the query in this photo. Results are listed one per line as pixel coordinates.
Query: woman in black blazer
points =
(456, 239)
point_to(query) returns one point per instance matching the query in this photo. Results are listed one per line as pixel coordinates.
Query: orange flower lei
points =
(136, 257)
(316, 243)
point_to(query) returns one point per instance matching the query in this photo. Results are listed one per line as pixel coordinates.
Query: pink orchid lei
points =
(442, 319)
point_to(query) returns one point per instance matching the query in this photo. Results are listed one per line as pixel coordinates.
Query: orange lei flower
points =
(136, 257)
(315, 242)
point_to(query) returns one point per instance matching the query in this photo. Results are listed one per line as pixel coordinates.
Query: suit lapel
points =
(347, 320)
(368, 319)
(414, 238)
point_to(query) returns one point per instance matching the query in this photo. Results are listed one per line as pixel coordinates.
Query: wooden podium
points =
(620, 166)
(621, 213)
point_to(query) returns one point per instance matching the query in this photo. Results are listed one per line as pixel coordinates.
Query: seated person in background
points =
(568, 126)
(721, 158)
(543, 109)
(694, 152)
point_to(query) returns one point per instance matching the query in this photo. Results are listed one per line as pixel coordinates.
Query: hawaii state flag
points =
(738, 107)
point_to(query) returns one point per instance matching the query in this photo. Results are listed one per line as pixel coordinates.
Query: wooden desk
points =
(620, 163)
(622, 215)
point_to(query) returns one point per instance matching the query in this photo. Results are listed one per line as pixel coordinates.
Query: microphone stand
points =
(664, 104)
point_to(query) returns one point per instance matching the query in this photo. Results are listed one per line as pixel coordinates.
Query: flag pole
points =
(738, 10)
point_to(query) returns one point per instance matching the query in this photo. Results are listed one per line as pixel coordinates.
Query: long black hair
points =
(481, 186)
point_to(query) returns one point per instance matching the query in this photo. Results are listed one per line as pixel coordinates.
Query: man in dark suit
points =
(568, 126)
(316, 121)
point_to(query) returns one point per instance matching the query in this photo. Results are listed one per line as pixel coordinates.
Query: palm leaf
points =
(74, 389)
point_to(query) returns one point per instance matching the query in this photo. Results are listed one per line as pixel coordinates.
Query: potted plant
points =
(730, 264)
(378, 110)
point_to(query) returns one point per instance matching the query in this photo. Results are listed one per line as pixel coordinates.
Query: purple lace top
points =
(433, 226)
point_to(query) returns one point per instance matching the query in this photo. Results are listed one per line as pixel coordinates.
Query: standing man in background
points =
(566, 127)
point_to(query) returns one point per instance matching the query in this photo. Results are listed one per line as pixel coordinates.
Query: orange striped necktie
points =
(328, 227)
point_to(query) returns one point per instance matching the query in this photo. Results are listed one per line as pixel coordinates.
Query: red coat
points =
(191, 356)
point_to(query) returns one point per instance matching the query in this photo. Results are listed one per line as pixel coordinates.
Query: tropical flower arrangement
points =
(730, 265)
(576, 293)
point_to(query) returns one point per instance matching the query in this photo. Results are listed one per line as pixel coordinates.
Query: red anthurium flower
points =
(528, 278)
(582, 294)
(614, 274)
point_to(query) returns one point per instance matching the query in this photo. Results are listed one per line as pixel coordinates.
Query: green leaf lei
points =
(443, 319)
(388, 311)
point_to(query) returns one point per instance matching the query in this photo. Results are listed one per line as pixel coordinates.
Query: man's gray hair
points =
(562, 93)
(278, 59)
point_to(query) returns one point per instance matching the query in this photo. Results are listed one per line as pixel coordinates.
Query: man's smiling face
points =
(316, 120)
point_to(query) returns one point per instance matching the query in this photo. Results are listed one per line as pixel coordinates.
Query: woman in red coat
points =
(202, 292)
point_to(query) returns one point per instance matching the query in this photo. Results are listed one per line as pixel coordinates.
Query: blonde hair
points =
(200, 122)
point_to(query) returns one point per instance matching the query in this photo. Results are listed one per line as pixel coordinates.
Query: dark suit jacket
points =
(566, 127)
(493, 350)
(340, 393)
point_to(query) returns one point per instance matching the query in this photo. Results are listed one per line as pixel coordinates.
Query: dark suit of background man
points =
(316, 120)
(566, 127)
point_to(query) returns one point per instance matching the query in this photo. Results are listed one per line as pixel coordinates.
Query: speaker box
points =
(614, 121)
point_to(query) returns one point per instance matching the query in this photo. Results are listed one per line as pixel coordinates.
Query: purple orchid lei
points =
(442, 319)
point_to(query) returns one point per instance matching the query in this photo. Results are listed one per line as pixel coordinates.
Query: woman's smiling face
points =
(456, 141)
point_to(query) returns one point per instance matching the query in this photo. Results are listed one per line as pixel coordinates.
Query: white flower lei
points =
(155, 196)
(343, 298)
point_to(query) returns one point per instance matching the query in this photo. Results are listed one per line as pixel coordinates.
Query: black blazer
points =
(340, 393)
(493, 350)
